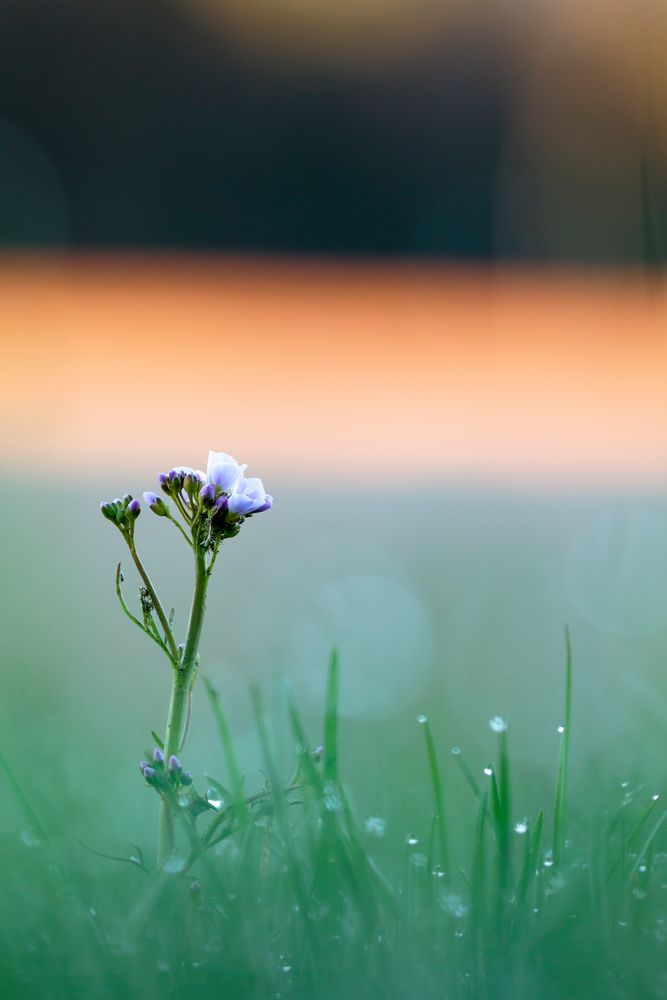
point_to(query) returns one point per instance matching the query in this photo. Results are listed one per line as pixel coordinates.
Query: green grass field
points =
(530, 863)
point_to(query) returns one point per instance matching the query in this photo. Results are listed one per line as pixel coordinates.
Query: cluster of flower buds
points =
(122, 512)
(222, 494)
(162, 774)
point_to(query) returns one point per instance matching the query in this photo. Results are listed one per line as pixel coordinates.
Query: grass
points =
(285, 891)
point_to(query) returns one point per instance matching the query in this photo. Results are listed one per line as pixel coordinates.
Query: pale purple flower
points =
(134, 508)
(223, 470)
(249, 497)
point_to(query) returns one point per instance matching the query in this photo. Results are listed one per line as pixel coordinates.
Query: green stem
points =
(182, 680)
(181, 529)
(164, 621)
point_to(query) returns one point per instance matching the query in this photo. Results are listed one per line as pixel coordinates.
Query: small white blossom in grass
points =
(497, 724)
(375, 826)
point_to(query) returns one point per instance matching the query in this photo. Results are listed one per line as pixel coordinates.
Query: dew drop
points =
(456, 751)
(497, 724)
(375, 826)
(422, 719)
(521, 826)
(213, 798)
(174, 866)
(488, 770)
(411, 840)
(560, 729)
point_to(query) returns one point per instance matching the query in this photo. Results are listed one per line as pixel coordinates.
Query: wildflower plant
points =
(207, 508)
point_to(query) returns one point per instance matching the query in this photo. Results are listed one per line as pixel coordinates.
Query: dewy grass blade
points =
(505, 809)
(331, 722)
(228, 750)
(311, 773)
(645, 846)
(438, 796)
(33, 820)
(629, 843)
(465, 771)
(280, 808)
(561, 780)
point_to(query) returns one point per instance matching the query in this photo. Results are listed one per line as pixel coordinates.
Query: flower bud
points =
(143, 764)
(150, 775)
(174, 764)
(186, 778)
(134, 509)
(158, 756)
(127, 498)
(156, 504)
(176, 480)
(221, 505)
(191, 484)
(108, 510)
(207, 494)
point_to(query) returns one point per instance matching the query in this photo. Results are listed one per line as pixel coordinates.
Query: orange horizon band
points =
(389, 373)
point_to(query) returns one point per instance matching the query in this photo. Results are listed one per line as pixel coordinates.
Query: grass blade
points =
(228, 750)
(438, 796)
(561, 780)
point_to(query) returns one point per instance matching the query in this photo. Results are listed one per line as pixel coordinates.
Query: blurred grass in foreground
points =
(285, 893)
(394, 868)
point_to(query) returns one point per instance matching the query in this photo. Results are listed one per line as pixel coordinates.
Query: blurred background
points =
(404, 259)
(489, 129)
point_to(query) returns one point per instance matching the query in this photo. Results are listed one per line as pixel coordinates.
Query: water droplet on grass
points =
(521, 826)
(332, 799)
(174, 866)
(488, 770)
(656, 796)
(497, 724)
(375, 826)
(411, 840)
(213, 798)
(560, 729)
(438, 872)
(456, 751)
(548, 860)
(30, 839)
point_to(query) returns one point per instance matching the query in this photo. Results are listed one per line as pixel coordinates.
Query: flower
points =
(223, 470)
(249, 497)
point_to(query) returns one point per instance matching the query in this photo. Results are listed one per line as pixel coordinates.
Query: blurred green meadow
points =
(451, 603)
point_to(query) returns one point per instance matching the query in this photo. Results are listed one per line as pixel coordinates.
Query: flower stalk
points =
(213, 506)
